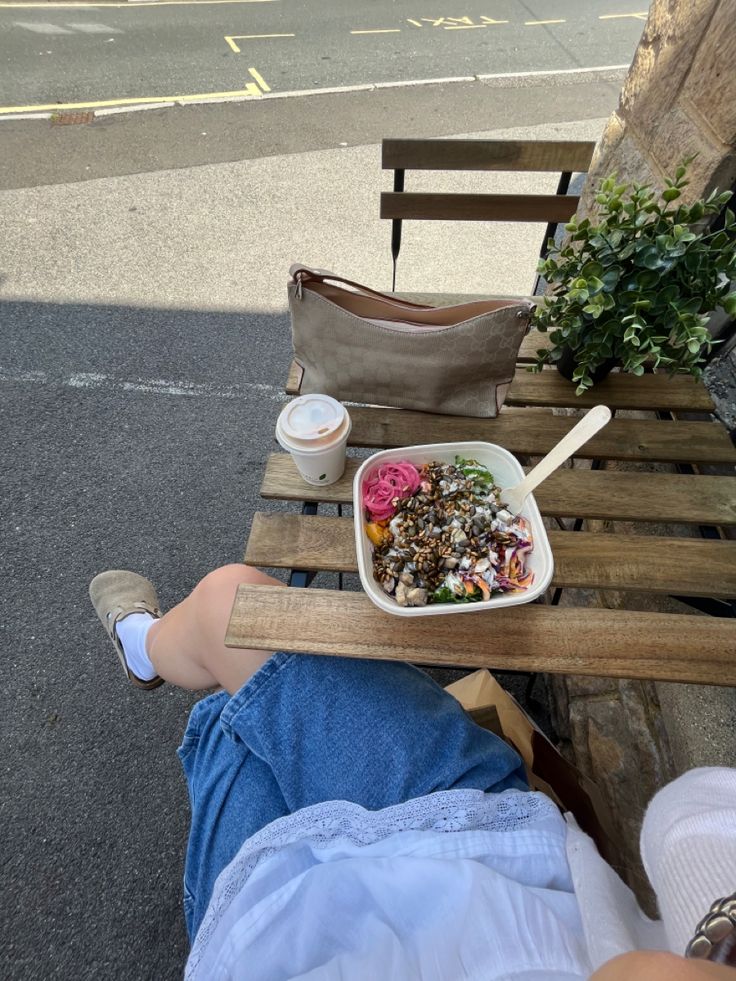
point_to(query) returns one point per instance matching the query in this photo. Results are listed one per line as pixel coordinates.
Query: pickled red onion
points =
(387, 484)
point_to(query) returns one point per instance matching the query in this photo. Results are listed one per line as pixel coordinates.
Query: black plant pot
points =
(566, 365)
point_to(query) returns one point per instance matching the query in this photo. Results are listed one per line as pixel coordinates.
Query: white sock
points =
(132, 632)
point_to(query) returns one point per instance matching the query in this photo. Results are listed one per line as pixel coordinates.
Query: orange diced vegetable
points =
(377, 533)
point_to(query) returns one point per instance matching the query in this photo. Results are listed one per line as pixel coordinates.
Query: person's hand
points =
(645, 965)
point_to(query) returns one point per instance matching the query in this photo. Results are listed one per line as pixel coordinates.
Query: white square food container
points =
(506, 471)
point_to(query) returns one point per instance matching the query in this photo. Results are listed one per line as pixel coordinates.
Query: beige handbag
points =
(362, 346)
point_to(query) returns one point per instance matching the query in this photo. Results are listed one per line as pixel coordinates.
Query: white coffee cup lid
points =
(309, 419)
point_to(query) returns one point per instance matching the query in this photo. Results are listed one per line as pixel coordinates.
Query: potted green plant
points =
(635, 283)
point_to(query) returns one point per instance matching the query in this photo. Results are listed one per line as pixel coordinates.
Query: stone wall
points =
(679, 99)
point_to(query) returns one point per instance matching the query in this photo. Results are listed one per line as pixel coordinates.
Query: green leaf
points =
(647, 279)
(671, 194)
(729, 304)
(651, 259)
(591, 269)
(610, 278)
(667, 295)
(690, 306)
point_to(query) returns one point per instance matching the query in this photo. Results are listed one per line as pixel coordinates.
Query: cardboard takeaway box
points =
(495, 709)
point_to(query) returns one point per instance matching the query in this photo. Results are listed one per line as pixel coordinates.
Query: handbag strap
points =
(300, 274)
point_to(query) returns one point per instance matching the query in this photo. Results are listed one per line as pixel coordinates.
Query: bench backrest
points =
(565, 157)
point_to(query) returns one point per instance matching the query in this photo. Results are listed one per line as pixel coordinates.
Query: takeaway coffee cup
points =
(314, 429)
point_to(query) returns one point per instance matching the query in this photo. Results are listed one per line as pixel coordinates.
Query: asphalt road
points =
(56, 55)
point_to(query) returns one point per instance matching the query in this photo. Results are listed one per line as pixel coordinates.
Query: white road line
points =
(556, 71)
(26, 112)
(150, 386)
(36, 377)
(41, 28)
(94, 28)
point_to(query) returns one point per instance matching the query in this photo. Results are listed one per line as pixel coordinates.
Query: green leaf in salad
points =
(446, 595)
(481, 476)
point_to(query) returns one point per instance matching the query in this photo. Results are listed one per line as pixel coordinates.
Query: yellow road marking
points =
(130, 6)
(535, 23)
(462, 27)
(383, 30)
(641, 15)
(251, 90)
(254, 73)
(416, 23)
(232, 38)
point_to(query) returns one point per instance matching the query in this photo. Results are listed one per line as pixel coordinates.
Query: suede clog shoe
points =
(116, 594)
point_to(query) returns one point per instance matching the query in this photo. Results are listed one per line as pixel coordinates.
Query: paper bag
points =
(547, 769)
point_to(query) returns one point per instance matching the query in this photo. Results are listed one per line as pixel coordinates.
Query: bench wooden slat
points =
(294, 379)
(678, 566)
(424, 206)
(574, 493)
(533, 432)
(527, 155)
(606, 643)
(549, 389)
(532, 342)
(618, 391)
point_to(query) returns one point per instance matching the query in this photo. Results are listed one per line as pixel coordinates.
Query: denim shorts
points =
(307, 729)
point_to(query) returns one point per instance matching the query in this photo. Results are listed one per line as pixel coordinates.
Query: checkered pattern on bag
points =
(453, 370)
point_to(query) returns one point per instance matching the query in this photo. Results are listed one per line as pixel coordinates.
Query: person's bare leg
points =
(186, 646)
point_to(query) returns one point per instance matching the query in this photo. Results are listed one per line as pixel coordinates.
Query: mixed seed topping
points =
(449, 541)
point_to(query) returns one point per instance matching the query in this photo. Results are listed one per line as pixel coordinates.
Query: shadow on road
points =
(132, 438)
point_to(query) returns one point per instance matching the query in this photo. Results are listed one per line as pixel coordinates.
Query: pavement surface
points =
(57, 56)
(144, 347)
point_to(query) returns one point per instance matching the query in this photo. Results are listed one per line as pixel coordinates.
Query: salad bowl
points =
(506, 471)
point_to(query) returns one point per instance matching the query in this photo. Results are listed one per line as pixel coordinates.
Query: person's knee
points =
(222, 583)
(218, 587)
